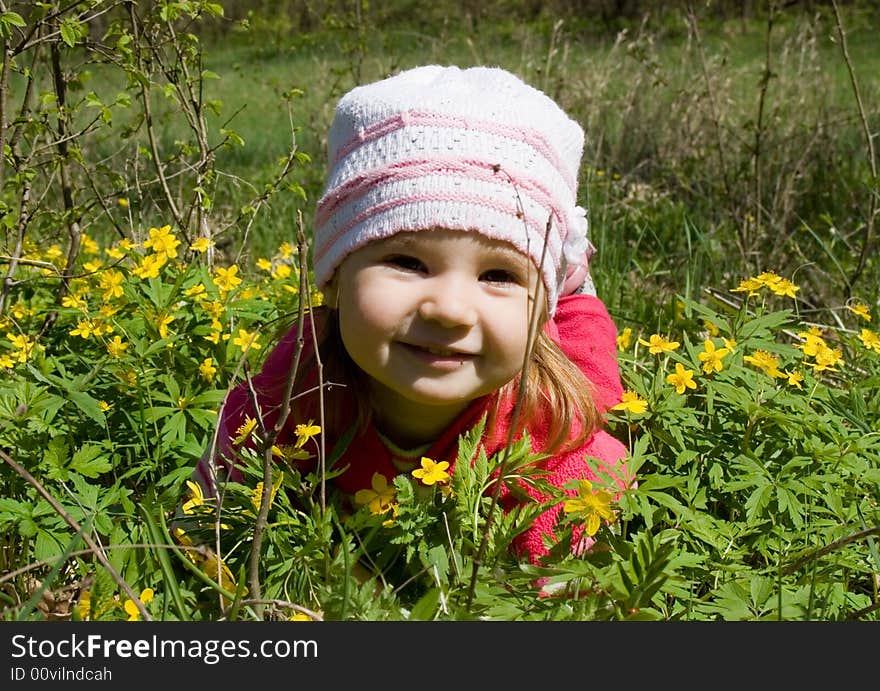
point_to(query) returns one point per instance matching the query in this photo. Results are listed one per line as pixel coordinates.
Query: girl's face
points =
(435, 319)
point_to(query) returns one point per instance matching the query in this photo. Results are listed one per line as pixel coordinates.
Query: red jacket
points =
(585, 332)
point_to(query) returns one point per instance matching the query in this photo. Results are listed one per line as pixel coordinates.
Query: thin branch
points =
(872, 156)
(791, 568)
(514, 417)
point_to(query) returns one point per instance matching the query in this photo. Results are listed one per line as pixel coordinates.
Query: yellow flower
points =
(658, 344)
(111, 283)
(777, 284)
(162, 322)
(23, 345)
(6, 362)
(264, 264)
(285, 249)
(395, 510)
(431, 471)
(826, 358)
(84, 606)
(196, 292)
(202, 245)
(859, 309)
(281, 272)
(89, 246)
(116, 347)
(196, 497)
(711, 329)
(84, 328)
(123, 202)
(594, 507)
(765, 361)
(207, 369)
(306, 432)
(74, 302)
(162, 242)
(226, 279)
(131, 608)
(104, 406)
(244, 430)
(93, 266)
(149, 266)
(624, 338)
(795, 378)
(257, 493)
(730, 344)
(631, 402)
(682, 378)
(102, 328)
(290, 452)
(247, 340)
(378, 499)
(711, 357)
(813, 342)
(870, 339)
(751, 286)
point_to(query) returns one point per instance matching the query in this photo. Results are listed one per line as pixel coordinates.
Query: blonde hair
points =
(556, 395)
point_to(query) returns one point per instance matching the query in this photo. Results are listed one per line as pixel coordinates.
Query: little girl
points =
(429, 246)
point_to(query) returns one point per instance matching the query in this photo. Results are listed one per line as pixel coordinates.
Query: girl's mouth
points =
(437, 356)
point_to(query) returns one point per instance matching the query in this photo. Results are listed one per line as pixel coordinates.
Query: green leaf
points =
(88, 405)
(7, 21)
(426, 607)
(70, 32)
(90, 461)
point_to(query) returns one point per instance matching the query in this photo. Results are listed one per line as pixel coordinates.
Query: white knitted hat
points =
(465, 149)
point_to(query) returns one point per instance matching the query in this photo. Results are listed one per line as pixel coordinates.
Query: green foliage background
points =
(723, 140)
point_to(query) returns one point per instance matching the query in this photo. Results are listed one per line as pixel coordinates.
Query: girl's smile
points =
(435, 319)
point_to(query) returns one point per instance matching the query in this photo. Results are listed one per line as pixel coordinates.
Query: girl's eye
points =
(405, 263)
(499, 276)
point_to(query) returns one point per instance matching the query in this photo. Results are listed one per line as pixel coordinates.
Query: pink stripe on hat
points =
(415, 118)
(440, 147)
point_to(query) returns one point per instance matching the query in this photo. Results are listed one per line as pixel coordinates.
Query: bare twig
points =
(791, 568)
(269, 436)
(514, 417)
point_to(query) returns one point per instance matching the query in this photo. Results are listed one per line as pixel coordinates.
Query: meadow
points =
(161, 163)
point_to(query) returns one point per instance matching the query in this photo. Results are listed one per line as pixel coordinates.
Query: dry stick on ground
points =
(269, 436)
(93, 546)
(872, 157)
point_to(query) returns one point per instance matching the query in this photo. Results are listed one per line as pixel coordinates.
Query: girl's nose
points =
(448, 302)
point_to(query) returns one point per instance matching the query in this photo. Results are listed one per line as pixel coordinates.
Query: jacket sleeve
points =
(215, 464)
(587, 335)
